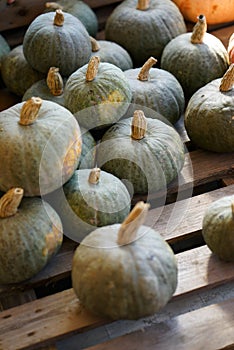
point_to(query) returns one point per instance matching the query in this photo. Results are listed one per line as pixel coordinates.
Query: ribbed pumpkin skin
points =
(29, 239)
(162, 93)
(126, 282)
(208, 118)
(4, 48)
(144, 33)
(100, 102)
(218, 228)
(113, 53)
(46, 45)
(41, 156)
(149, 164)
(17, 74)
(88, 152)
(195, 65)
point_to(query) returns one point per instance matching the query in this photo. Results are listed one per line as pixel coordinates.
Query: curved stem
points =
(139, 125)
(92, 68)
(199, 30)
(29, 111)
(53, 6)
(94, 176)
(95, 45)
(128, 229)
(144, 72)
(10, 202)
(59, 18)
(143, 5)
(54, 81)
(228, 79)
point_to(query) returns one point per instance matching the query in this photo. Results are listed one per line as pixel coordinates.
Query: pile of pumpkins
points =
(95, 127)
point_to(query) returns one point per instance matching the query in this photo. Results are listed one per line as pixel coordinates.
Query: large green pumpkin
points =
(17, 73)
(79, 9)
(144, 31)
(209, 115)
(40, 146)
(124, 271)
(30, 234)
(218, 227)
(98, 94)
(156, 89)
(146, 152)
(56, 40)
(195, 58)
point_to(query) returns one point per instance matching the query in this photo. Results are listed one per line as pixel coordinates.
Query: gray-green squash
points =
(124, 271)
(209, 115)
(4, 50)
(31, 234)
(88, 152)
(218, 227)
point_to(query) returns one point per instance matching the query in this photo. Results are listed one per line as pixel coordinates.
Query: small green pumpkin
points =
(218, 228)
(156, 89)
(88, 152)
(17, 73)
(195, 58)
(98, 94)
(40, 146)
(79, 9)
(144, 27)
(146, 152)
(56, 40)
(208, 119)
(30, 234)
(125, 271)
(4, 49)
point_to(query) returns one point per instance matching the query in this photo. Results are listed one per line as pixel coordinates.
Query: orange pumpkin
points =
(216, 11)
(231, 48)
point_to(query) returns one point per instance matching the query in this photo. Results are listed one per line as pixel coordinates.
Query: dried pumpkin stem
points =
(139, 125)
(55, 81)
(53, 6)
(143, 5)
(59, 18)
(92, 68)
(95, 45)
(94, 176)
(199, 30)
(29, 111)
(128, 229)
(228, 79)
(10, 202)
(144, 72)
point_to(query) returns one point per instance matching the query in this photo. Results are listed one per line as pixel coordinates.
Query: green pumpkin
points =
(40, 146)
(98, 94)
(195, 58)
(30, 234)
(209, 115)
(124, 271)
(79, 9)
(218, 228)
(145, 152)
(17, 73)
(144, 31)
(56, 40)
(93, 198)
(111, 52)
(88, 152)
(4, 49)
(156, 89)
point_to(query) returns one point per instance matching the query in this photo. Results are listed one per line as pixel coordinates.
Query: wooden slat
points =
(208, 328)
(228, 181)
(51, 318)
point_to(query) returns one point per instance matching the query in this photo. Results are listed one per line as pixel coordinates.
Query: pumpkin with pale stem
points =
(146, 152)
(40, 146)
(17, 74)
(218, 228)
(156, 89)
(30, 234)
(209, 116)
(195, 58)
(98, 94)
(56, 40)
(124, 271)
(144, 27)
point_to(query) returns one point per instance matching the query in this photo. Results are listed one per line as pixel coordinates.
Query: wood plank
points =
(224, 34)
(228, 181)
(207, 328)
(49, 319)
